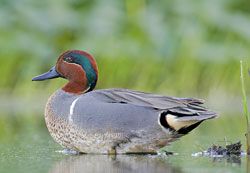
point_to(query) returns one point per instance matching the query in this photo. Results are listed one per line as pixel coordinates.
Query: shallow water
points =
(27, 147)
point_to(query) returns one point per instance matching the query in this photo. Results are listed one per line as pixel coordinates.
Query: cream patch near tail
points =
(177, 124)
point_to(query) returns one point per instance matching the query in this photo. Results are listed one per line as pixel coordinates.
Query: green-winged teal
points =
(113, 121)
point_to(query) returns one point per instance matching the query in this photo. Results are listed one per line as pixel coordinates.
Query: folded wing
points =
(177, 114)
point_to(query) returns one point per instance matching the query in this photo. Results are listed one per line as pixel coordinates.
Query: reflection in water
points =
(228, 159)
(120, 163)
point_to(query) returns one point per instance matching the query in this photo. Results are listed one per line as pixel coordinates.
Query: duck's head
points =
(78, 67)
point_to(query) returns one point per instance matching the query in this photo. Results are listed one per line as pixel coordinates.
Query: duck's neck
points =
(76, 87)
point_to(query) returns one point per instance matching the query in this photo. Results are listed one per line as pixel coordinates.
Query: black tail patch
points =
(163, 121)
(188, 129)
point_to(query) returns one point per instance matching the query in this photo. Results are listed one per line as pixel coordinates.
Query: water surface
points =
(26, 146)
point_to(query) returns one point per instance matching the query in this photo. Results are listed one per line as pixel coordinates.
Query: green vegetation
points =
(173, 47)
(244, 97)
(245, 104)
(179, 48)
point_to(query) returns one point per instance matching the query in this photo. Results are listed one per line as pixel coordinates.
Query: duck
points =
(116, 120)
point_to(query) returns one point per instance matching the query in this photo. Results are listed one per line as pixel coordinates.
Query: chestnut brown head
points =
(78, 67)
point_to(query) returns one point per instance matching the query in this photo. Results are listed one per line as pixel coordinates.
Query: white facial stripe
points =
(71, 111)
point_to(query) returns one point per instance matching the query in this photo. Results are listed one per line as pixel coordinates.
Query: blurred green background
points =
(184, 48)
(178, 48)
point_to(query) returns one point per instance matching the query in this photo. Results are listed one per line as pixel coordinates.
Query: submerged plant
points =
(245, 105)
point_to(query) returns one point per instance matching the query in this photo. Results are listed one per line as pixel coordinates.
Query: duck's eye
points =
(68, 59)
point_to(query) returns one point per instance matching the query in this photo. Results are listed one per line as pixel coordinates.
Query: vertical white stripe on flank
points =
(71, 111)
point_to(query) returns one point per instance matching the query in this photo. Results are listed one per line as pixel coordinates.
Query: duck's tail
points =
(181, 124)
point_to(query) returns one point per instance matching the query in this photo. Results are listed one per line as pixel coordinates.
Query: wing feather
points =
(182, 106)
